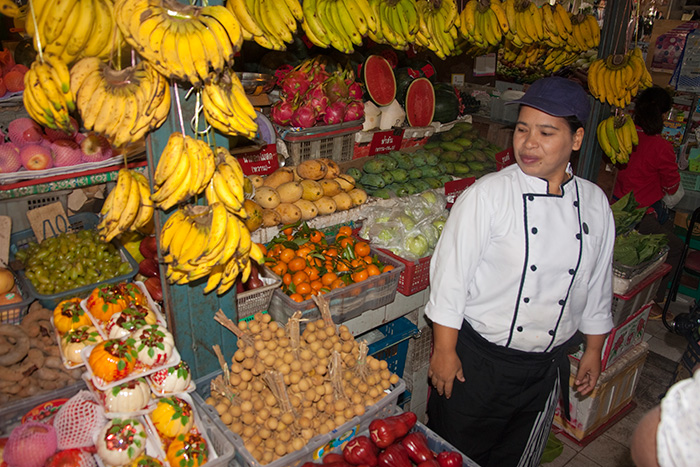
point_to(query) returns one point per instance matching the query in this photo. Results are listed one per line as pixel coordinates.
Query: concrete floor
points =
(611, 448)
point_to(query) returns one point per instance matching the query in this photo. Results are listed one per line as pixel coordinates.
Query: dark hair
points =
(574, 123)
(651, 106)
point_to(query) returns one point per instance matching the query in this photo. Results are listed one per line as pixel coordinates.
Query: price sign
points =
(386, 141)
(48, 221)
(261, 162)
(505, 158)
(455, 188)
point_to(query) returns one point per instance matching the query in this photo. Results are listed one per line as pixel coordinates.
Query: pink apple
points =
(25, 131)
(66, 153)
(9, 158)
(95, 147)
(36, 157)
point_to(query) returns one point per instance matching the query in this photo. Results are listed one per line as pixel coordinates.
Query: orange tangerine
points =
(359, 276)
(345, 230)
(296, 264)
(373, 270)
(280, 268)
(361, 248)
(346, 241)
(337, 284)
(387, 268)
(316, 236)
(288, 231)
(303, 288)
(368, 259)
(328, 278)
(299, 277)
(287, 255)
(287, 279)
(312, 272)
(316, 285)
(296, 297)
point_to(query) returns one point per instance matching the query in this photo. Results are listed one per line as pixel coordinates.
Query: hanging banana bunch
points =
(524, 57)
(47, 95)
(438, 27)
(398, 23)
(484, 22)
(227, 185)
(269, 23)
(73, 29)
(122, 104)
(201, 241)
(557, 25)
(558, 59)
(341, 24)
(617, 137)
(183, 42)
(585, 33)
(128, 206)
(227, 108)
(184, 169)
(617, 79)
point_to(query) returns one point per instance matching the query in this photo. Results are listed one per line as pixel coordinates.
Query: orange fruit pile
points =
(310, 265)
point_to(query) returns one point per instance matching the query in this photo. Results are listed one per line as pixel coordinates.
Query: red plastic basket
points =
(415, 276)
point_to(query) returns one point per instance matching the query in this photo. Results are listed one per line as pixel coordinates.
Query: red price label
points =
(261, 162)
(505, 158)
(455, 188)
(385, 141)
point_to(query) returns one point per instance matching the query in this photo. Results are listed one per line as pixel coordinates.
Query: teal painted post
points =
(191, 313)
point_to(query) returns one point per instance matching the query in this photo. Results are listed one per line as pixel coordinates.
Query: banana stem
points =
(36, 31)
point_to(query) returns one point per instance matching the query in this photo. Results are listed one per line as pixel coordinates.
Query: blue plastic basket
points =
(393, 347)
(82, 221)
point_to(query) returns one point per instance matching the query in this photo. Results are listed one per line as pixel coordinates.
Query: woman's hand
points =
(444, 368)
(445, 365)
(589, 366)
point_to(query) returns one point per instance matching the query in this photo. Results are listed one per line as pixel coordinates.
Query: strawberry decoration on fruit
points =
(69, 315)
(189, 449)
(154, 345)
(121, 441)
(113, 360)
(173, 416)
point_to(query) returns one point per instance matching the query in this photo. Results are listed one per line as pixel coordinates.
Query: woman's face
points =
(542, 144)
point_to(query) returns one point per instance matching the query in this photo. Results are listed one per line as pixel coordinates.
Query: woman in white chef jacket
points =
(523, 263)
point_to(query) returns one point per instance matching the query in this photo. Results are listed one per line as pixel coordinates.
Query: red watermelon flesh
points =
(420, 102)
(379, 80)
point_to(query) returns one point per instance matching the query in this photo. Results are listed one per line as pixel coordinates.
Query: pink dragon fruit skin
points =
(296, 83)
(304, 116)
(354, 111)
(355, 91)
(24, 131)
(66, 153)
(282, 112)
(9, 158)
(334, 113)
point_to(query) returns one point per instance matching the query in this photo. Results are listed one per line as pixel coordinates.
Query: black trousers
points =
(503, 411)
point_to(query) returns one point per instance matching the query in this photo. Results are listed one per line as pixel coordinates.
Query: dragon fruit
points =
(282, 112)
(355, 91)
(304, 116)
(295, 83)
(334, 113)
(317, 99)
(354, 111)
(335, 88)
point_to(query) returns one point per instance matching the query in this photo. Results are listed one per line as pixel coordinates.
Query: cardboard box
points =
(614, 390)
(621, 339)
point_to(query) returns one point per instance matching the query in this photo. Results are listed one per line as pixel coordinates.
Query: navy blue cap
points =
(557, 96)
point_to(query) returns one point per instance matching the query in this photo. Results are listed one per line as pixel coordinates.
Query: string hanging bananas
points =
(272, 24)
(617, 79)
(47, 95)
(73, 29)
(227, 108)
(122, 104)
(183, 42)
(184, 169)
(207, 241)
(617, 137)
(127, 207)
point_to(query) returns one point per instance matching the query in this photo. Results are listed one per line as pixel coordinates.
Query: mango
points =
(255, 214)
(267, 197)
(308, 209)
(330, 187)
(289, 213)
(290, 192)
(325, 205)
(343, 201)
(346, 182)
(312, 169)
(278, 177)
(311, 190)
(256, 180)
(270, 218)
(333, 170)
(358, 196)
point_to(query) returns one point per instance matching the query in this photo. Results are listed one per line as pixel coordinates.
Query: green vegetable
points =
(626, 213)
(633, 248)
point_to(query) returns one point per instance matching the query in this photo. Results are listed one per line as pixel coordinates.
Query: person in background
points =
(669, 434)
(652, 176)
(523, 263)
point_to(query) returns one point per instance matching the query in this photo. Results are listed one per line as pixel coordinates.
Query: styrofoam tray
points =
(100, 325)
(198, 427)
(153, 445)
(59, 341)
(103, 385)
(158, 393)
(100, 397)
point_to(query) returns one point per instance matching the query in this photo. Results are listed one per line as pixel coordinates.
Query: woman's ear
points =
(578, 139)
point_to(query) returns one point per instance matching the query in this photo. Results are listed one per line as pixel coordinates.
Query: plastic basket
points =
(219, 440)
(82, 221)
(347, 302)
(690, 180)
(336, 142)
(627, 277)
(17, 208)
(415, 276)
(625, 305)
(14, 312)
(252, 301)
(390, 342)
(317, 446)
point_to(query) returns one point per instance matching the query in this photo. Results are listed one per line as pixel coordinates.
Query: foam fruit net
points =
(78, 421)
(30, 445)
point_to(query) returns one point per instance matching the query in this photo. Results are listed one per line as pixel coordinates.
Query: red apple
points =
(36, 157)
(155, 288)
(66, 153)
(149, 247)
(149, 267)
(9, 158)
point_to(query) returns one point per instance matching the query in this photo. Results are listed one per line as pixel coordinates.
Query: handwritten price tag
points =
(48, 221)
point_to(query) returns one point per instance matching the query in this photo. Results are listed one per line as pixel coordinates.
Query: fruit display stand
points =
(317, 446)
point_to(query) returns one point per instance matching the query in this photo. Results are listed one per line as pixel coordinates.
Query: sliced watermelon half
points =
(379, 80)
(420, 102)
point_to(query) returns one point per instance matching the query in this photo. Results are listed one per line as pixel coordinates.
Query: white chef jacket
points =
(525, 268)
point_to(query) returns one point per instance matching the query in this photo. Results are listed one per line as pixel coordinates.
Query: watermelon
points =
(420, 102)
(378, 77)
(446, 103)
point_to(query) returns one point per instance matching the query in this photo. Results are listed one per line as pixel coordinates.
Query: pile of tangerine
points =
(309, 265)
